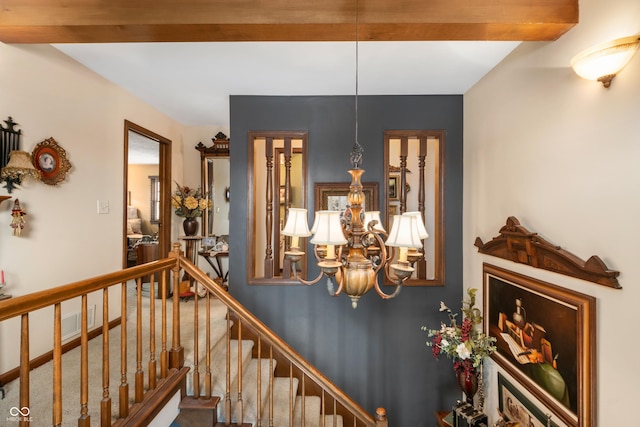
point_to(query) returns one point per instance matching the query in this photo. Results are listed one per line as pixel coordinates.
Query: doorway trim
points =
(164, 172)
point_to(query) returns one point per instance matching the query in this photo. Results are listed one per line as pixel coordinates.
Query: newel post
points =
(176, 355)
(381, 418)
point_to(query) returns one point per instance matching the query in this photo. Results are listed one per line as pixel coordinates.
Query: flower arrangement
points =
(189, 202)
(464, 343)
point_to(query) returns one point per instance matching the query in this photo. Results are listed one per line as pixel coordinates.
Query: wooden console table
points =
(209, 256)
(191, 253)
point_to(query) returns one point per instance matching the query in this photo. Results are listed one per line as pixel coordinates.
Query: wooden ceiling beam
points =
(91, 21)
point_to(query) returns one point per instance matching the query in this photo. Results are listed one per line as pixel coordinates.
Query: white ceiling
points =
(191, 82)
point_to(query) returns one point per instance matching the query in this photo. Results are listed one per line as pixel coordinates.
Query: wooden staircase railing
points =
(165, 371)
(168, 373)
(289, 362)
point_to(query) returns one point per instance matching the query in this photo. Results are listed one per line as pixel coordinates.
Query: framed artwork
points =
(393, 210)
(51, 160)
(394, 181)
(332, 196)
(546, 339)
(281, 193)
(515, 407)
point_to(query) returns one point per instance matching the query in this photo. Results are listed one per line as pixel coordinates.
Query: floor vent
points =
(72, 323)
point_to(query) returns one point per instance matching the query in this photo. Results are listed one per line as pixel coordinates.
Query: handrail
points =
(24, 304)
(169, 374)
(171, 358)
(270, 337)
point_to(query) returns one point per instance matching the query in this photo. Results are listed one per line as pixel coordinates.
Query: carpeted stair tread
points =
(249, 391)
(281, 388)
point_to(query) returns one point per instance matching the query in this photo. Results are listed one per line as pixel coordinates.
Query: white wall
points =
(561, 154)
(65, 240)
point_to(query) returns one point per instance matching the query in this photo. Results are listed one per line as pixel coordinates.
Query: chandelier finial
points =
(356, 155)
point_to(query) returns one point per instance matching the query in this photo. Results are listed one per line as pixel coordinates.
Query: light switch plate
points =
(103, 207)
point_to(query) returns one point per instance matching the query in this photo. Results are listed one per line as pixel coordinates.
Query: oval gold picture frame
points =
(51, 161)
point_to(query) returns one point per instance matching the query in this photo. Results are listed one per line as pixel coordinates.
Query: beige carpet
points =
(41, 379)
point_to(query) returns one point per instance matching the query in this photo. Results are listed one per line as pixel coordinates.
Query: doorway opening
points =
(147, 195)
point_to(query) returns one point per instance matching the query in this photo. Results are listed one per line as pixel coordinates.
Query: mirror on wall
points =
(277, 182)
(215, 176)
(414, 173)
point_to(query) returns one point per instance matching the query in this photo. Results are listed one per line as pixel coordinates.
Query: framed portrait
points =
(546, 339)
(515, 407)
(332, 196)
(51, 161)
(394, 181)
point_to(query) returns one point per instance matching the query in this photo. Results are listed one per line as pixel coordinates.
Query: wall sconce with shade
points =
(20, 167)
(602, 62)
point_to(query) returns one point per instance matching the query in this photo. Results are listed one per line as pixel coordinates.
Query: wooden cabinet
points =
(147, 253)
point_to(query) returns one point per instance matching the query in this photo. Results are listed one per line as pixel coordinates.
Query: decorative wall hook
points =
(9, 140)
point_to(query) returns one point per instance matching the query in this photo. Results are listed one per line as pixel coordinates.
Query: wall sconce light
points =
(602, 62)
(19, 167)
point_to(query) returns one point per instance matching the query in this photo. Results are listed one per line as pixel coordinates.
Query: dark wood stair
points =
(197, 412)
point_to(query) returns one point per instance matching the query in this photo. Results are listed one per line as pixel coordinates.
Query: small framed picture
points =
(515, 407)
(51, 160)
(393, 187)
(334, 196)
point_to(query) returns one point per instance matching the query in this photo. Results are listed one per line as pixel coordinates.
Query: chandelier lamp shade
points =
(604, 61)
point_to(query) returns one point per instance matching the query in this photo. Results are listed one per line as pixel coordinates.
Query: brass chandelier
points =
(352, 248)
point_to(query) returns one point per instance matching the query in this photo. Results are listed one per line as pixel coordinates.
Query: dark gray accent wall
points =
(376, 353)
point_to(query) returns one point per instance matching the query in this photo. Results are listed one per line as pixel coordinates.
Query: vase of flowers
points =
(464, 343)
(189, 203)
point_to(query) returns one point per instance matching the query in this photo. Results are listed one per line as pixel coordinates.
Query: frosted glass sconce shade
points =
(602, 62)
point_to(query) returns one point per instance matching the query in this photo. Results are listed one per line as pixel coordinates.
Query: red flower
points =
(435, 348)
(465, 329)
(464, 365)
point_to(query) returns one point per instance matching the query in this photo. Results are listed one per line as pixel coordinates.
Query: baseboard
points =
(41, 360)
